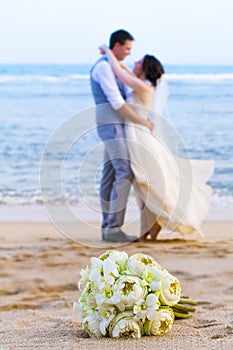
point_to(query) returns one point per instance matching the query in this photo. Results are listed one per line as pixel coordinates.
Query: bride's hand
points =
(103, 49)
(150, 125)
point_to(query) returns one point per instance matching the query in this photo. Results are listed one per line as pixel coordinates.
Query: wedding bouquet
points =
(129, 296)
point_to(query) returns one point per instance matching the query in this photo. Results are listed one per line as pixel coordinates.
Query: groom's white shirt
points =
(103, 74)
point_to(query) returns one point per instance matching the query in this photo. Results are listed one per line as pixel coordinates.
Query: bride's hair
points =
(152, 68)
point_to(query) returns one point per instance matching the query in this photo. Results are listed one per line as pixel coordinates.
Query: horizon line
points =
(82, 63)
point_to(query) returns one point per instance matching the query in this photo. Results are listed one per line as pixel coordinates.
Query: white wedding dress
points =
(171, 190)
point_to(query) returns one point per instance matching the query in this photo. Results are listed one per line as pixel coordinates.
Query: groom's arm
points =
(104, 75)
(129, 113)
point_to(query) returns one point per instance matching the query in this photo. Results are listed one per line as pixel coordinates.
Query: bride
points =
(171, 191)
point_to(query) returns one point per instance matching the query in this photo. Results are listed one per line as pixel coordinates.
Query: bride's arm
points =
(124, 75)
(128, 70)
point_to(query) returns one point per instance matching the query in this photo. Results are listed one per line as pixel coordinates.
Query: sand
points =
(39, 270)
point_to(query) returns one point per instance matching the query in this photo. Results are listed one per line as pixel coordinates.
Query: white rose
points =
(128, 290)
(161, 324)
(170, 290)
(124, 325)
(138, 262)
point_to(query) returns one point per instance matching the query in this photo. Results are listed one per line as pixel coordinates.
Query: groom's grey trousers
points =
(116, 176)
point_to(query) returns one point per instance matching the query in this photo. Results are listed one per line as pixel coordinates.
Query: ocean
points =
(36, 100)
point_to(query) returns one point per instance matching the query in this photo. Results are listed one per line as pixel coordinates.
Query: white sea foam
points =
(199, 77)
(16, 212)
(218, 77)
(42, 78)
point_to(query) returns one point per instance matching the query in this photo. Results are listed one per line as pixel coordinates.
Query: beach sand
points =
(39, 270)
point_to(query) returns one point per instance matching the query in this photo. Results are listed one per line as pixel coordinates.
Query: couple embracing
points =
(134, 154)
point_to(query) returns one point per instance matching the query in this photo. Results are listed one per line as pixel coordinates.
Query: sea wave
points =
(222, 197)
(42, 78)
(200, 77)
(218, 77)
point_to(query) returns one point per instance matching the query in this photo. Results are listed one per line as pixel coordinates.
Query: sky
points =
(70, 31)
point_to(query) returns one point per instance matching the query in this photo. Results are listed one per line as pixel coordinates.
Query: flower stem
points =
(184, 307)
(187, 301)
(181, 315)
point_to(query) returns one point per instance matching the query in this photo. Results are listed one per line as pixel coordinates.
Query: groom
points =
(111, 111)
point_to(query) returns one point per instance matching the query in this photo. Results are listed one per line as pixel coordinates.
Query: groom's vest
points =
(104, 111)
